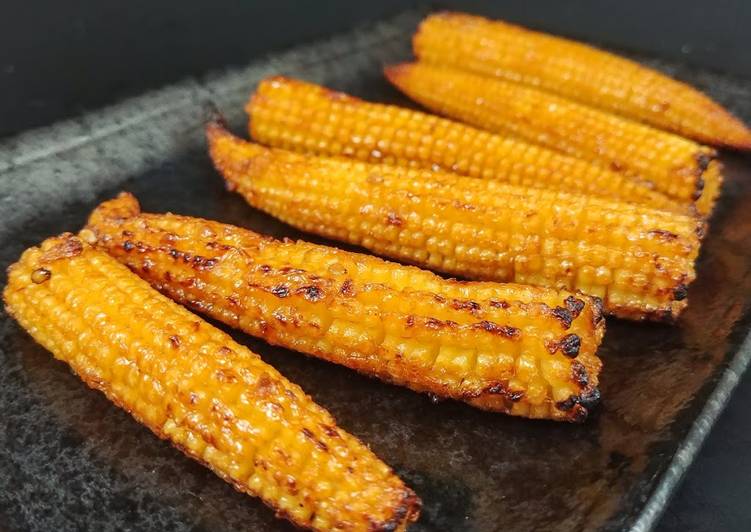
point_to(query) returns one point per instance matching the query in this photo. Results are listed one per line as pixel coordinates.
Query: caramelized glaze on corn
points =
(638, 260)
(522, 350)
(576, 71)
(301, 116)
(675, 166)
(193, 385)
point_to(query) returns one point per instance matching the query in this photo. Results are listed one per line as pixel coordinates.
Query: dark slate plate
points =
(70, 460)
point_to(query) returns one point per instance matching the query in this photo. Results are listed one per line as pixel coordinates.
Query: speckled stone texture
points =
(69, 460)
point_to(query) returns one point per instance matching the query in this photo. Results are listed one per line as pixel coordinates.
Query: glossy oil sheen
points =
(70, 460)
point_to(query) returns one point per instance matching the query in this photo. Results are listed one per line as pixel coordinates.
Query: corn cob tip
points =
(61, 247)
(222, 145)
(215, 121)
(217, 132)
(123, 206)
(736, 134)
(53, 249)
(742, 138)
(395, 72)
(398, 75)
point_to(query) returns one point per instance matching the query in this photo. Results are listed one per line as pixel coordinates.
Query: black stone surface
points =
(70, 460)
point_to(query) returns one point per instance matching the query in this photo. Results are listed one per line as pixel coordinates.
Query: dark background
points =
(58, 59)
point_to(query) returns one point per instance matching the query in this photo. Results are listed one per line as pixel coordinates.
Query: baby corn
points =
(675, 166)
(193, 385)
(638, 260)
(576, 71)
(516, 349)
(301, 116)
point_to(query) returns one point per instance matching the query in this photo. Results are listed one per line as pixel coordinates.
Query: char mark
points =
(680, 292)
(460, 304)
(500, 388)
(570, 345)
(579, 374)
(347, 288)
(662, 234)
(580, 405)
(501, 330)
(574, 306)
(312, 293)
(394, 219)
(564, 316)
(408, 508)
(280, 290)
(699, 189)
(318, 443)
(435, 324)
(702, 162)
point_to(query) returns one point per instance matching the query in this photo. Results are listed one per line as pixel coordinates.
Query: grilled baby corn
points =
(301, 116)
(516, 349)
(576, 71)
(675, 166)
(192, 384)
(638, 260)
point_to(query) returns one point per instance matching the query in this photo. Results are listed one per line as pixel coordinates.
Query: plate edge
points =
(692, 443)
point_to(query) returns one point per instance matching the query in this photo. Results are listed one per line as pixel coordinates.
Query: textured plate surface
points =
(70, 460)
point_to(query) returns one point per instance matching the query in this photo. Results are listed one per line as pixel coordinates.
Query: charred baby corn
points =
(638, 260)
(299, 116)
(675, 166)
(192, 384)
(516, 349)
(577, 71)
